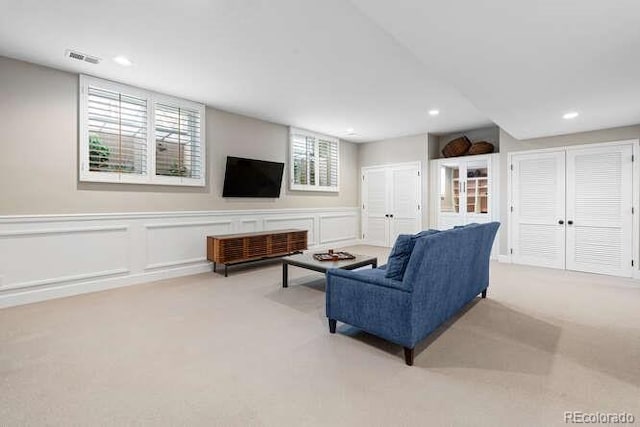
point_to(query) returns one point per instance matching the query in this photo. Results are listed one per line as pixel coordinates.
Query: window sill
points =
(124, 178)
(315, 188)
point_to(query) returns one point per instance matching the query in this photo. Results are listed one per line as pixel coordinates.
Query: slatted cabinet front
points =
(235, 248)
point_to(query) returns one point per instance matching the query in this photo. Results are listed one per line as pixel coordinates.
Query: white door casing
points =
(590, 189)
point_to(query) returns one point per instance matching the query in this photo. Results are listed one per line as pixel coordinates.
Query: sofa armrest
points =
(363, 276)
(367, 300)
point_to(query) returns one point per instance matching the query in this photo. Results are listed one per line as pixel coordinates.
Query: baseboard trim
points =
(505, 259)
(29, 296)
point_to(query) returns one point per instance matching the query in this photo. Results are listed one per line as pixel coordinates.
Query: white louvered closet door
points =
(538, 202)
(375, 207)
(405, 201)
(599, 210)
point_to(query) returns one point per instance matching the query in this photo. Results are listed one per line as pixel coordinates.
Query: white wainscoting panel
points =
(51, 256)
(334, 228)
(303, 223)
(250, 225)
(172, 244)
(35, 257)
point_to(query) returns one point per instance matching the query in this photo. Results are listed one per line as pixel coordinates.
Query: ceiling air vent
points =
(82, 57)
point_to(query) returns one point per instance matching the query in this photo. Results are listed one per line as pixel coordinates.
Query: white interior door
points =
(538, 209)
(599, 210)
(405, 198)
(375, 207)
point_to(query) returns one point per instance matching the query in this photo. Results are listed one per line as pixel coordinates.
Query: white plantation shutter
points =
(178, 141)
(117, 125)
(328, 163)
(315, 161)
(303, 159)
(130, 135)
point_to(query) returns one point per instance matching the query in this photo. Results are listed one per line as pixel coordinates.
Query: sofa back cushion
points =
(446, 271)
(401, 252)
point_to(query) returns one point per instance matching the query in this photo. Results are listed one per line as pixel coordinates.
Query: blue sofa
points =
(445, 271)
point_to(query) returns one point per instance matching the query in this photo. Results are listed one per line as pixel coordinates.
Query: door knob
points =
(386, 215)
(561, 222)
(391, 215)
(570, 222)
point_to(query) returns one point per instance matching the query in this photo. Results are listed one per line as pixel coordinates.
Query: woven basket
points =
(481, 147)
(457, 147)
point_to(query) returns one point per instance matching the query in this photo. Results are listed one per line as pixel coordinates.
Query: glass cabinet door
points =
(449, 188)
(477, 187)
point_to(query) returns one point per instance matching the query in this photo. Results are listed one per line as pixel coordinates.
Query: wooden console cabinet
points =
(229, 249)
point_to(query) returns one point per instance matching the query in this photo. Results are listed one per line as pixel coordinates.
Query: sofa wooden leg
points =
(484, 293)
(408, 356)
(332, 325)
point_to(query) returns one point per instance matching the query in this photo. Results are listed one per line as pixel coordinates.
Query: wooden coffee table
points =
(310, 263)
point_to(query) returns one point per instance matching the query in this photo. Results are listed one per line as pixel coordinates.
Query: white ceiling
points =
(372, 65)
(526, 63)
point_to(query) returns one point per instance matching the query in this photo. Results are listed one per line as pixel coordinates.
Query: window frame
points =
(152, 98)
(313, 187)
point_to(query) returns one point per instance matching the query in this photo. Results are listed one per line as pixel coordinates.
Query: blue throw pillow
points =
(401, 252)
(399, 256)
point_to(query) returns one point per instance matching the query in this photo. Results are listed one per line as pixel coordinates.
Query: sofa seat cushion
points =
(401, 252)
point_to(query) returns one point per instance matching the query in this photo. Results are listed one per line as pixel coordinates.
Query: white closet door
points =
(599, 215)
(538, 201)
(375, 201)
(405, 200)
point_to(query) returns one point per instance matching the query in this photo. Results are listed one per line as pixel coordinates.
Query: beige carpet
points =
(205, 350)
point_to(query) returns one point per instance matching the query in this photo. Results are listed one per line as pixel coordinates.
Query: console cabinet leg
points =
(225, 270)
(214, 266)
(408, 356)
(332, 325)
(285, 275)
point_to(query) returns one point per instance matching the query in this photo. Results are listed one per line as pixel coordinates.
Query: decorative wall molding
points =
(336, 227)
(61, 231)
(184, 224)
(51, 256)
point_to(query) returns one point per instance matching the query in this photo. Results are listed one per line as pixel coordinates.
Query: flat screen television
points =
(252, 178)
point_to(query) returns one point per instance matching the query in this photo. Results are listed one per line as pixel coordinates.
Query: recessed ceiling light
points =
(122, 60)
(570, 115)
(434, 112)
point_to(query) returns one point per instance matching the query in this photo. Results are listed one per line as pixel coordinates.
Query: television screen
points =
(252, 178)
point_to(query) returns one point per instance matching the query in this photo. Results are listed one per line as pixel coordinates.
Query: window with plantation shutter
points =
(178, 142)
(117, 125)
(129, 135)
(314, 161)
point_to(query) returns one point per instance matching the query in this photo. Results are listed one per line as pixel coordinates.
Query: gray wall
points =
(39, 161)
(508, 144)
(400, 150)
